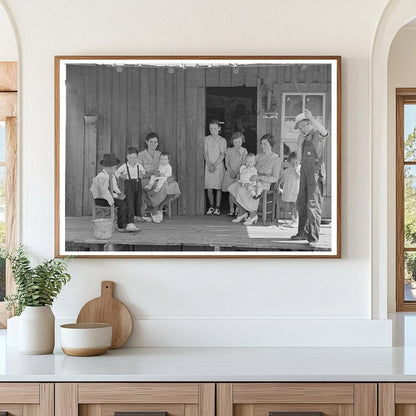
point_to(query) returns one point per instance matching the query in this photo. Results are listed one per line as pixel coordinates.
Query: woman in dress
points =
(150, 160)
(268, 165)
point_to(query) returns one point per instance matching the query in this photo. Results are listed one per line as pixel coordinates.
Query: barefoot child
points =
(132, 172)
(106, 193)
(291, 180)
(214, 153)
(246, 172)
(163, 173)
(234, 158)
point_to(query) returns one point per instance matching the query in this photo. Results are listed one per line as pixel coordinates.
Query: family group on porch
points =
(148, 179)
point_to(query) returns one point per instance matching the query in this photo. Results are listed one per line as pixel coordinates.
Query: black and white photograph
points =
(198, 156)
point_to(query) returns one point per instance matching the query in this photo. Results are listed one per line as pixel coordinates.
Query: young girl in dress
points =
(291, 180)
(214, 153)
(234, 159)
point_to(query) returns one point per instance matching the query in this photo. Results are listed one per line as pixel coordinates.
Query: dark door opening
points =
(236, 109)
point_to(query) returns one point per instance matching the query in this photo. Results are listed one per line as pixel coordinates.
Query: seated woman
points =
(169, 190)
(268, 166)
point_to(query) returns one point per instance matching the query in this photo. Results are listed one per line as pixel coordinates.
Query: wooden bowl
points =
(84, 340)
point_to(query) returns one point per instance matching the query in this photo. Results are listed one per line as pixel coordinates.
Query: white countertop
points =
(222, 364)
(215, 364)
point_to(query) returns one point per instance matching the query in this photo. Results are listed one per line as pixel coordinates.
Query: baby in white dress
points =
(246, 172)
(163, 173)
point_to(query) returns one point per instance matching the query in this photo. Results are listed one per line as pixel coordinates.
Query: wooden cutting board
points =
(108, 310)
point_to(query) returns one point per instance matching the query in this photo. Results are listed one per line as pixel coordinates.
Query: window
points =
(294, 104)
(2, 206)
(8, 166)
(406, 200)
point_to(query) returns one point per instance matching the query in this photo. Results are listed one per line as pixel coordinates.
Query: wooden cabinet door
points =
(397, 399)
(268, 399)
(26, 399)
(106, 399)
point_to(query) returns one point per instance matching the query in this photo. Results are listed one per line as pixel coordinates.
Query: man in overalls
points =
(311, 143)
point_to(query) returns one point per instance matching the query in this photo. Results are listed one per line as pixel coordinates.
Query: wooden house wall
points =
(133, 101)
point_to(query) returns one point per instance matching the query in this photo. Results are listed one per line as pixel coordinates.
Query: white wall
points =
(212, 302)
(8, 46)
(401, 74)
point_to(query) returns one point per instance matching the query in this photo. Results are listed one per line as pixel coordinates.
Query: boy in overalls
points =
(311, 143)
(132, 172)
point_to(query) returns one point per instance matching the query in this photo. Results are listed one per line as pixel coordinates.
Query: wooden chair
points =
(268, 203)
(147, 209)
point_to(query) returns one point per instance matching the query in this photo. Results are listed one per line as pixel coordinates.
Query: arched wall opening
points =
(396, 15)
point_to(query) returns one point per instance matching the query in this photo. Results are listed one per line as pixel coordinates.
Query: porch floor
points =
(192, 233)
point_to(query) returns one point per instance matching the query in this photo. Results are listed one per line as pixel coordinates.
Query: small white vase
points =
(37, 330)
(12, 334)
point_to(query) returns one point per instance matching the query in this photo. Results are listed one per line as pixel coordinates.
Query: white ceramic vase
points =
(12, 334)
(37, 330)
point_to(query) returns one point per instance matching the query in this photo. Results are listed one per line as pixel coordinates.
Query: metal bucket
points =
(103, 228)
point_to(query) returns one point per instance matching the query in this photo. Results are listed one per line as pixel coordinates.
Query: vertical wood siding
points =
(133, 101)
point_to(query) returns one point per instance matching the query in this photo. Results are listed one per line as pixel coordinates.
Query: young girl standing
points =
(234, 159)
(214, 153)
(291, 180)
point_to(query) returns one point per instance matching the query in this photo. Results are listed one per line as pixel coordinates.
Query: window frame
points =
(8, 113)
(403, 96)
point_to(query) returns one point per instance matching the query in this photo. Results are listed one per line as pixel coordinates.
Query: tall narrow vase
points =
(37, 330)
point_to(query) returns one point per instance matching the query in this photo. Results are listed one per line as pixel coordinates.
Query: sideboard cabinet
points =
(208, 399)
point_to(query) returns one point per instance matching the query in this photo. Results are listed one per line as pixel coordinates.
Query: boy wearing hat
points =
(106, 192)
(311, 143)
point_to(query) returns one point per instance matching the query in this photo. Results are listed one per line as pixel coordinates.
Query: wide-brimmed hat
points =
(300, 117)
(109, 160)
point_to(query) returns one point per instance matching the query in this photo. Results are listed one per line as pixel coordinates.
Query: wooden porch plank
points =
(202, 232)
(144, 106)
(180, 117)
(104, 110)
(75, 97)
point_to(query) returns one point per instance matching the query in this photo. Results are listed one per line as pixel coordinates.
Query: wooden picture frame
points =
(108, 104)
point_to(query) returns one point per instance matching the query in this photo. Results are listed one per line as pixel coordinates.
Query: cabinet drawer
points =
(138, 393)
(21, 399)
(107, 399)
(397, 399)
(268, 399)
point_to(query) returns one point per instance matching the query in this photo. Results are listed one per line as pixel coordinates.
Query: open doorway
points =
(236, 110)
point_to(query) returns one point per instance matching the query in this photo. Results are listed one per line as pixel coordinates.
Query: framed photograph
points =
(198, 156)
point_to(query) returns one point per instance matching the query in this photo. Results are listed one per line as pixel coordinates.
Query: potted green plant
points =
(36, 289)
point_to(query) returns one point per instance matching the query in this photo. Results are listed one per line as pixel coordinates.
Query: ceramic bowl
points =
(83, 340)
